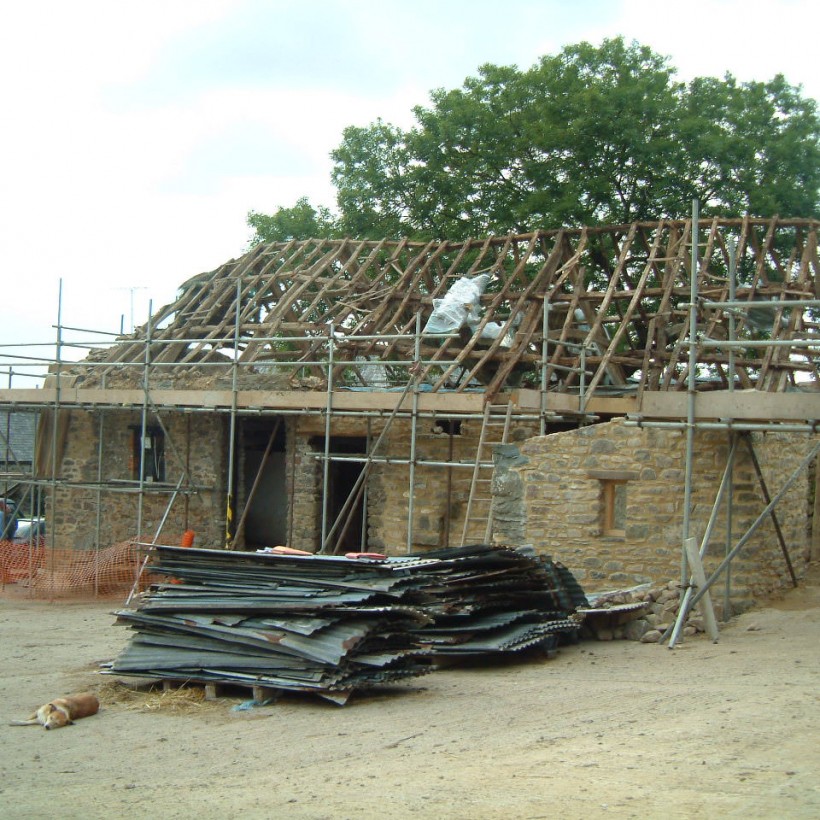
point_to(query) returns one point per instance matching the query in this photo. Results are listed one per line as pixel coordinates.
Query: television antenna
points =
(130, 290)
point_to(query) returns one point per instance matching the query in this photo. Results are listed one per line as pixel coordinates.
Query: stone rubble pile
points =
(640, 614)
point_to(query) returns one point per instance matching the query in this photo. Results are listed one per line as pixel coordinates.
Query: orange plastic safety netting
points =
(48, 573)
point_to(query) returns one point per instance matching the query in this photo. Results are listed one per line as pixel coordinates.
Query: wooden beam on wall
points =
(745, 405)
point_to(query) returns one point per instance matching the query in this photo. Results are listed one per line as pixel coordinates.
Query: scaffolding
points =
(595, 323)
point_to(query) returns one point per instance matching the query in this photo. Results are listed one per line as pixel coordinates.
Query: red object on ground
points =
(187, 538)
(289, 551)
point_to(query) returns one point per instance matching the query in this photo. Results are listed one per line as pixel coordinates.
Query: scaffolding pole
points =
(365, 495)
(415, 371)
(730, 508)
(229, 490)
(98, 516)
(732, 437)
(691, 394)
(146, 385)
(58, 376)
(545, 329)
(685, 604)
(326, 462)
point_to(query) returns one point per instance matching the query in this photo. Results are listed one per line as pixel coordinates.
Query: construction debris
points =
(331, 625)
(642, 613)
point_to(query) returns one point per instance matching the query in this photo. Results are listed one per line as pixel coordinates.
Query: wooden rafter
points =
(621, 290)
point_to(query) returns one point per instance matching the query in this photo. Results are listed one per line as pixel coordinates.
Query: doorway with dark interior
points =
(263, 502)
(348, 519)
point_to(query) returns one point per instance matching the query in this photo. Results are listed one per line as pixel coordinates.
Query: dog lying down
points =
(62, 711)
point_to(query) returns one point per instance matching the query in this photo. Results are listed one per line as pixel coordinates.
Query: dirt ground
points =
(602, 730)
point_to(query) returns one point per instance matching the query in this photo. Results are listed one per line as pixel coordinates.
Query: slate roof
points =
(17, 434)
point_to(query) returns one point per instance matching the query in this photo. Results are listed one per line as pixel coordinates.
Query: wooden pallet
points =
(215, 690)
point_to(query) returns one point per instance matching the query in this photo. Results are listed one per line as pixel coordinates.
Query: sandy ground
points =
(602, 730)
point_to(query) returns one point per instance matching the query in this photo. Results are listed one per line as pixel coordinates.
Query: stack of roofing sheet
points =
(322, 624)
(330, 624)
(488, 599)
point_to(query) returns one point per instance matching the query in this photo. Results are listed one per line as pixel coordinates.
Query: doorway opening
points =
(350, 534)
(263, 510)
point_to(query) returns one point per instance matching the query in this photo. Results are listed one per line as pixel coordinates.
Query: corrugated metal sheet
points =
(630, 607)
(333, 625)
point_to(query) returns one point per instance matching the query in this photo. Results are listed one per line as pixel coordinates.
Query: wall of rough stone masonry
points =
(542, 493)
(441, 493)
(388, 484)
(304, 485)
(548, 496)
(198, 441)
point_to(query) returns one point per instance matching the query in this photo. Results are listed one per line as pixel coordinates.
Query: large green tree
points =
(592, 135)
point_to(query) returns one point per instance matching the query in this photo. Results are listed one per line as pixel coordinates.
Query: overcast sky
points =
(138, 135)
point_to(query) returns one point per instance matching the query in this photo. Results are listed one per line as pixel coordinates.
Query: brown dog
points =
(62, 711)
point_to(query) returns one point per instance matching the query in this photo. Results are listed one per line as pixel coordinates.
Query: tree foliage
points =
(302, 221)
(592, 135)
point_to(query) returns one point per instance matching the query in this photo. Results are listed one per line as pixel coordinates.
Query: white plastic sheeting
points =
(460, 307)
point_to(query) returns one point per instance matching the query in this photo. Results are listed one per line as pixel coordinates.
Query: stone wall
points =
(549, 492)
(441, 494)
(545, 490)
(194, 440)
(304, 487)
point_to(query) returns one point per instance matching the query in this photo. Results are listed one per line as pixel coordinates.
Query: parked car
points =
(29, 529)
(8, 518)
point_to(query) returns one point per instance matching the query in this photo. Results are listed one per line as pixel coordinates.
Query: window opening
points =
(614, 507)
(153, 453)
(452, 427)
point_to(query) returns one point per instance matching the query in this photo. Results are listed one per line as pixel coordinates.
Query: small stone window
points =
(613, 508)
(614, 489)
(153, 453)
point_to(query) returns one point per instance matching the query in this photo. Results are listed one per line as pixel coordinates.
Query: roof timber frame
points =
(614, 301)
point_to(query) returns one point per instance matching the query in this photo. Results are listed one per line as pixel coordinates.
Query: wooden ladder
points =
(489, 420)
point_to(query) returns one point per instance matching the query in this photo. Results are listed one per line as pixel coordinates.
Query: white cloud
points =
(752, 39)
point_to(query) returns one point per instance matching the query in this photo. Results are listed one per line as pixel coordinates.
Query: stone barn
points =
(600, 393)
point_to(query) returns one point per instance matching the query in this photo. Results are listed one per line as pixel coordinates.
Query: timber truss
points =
(591, 309)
